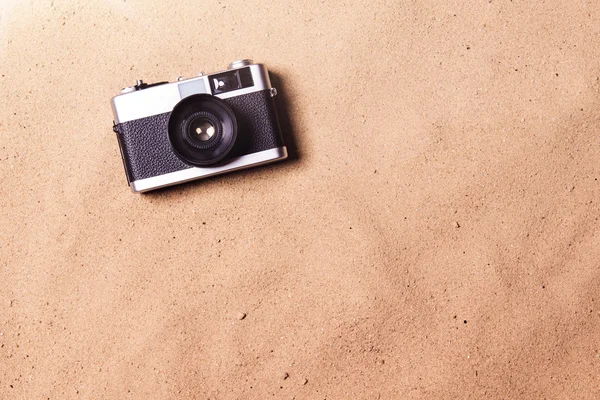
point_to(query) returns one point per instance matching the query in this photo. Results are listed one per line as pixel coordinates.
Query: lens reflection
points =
(204, 131)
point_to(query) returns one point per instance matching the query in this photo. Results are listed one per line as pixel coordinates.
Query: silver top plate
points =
(160, 99)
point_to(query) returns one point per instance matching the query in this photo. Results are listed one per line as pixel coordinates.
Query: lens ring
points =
(197, 152)
(189, 123)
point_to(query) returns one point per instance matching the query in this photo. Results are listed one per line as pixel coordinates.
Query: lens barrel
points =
(202, 130)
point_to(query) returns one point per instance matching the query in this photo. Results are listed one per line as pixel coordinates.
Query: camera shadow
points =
(281, 105)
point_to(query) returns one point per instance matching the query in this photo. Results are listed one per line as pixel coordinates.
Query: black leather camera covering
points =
(147, 152)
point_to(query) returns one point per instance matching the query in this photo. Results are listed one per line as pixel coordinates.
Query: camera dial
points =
(239, 64)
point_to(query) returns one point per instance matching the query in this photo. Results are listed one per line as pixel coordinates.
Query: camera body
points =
(170, 133)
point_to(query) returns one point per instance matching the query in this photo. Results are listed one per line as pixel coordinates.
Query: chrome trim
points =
(190, 174)
(143, 103)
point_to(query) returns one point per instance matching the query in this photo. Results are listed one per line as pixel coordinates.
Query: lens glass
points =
(202, 130)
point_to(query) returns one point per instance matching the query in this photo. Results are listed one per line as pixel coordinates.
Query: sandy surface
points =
(435, 236)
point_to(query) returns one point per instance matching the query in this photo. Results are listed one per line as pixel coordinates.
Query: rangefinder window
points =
(231, 80)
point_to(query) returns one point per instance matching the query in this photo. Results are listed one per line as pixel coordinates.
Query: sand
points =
(435, 234)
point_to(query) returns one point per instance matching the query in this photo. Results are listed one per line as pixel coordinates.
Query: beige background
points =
(407, 117)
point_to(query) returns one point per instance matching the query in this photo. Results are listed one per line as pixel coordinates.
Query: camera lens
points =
(202, 130)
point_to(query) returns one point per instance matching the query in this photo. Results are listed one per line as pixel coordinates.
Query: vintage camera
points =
(176, 132)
